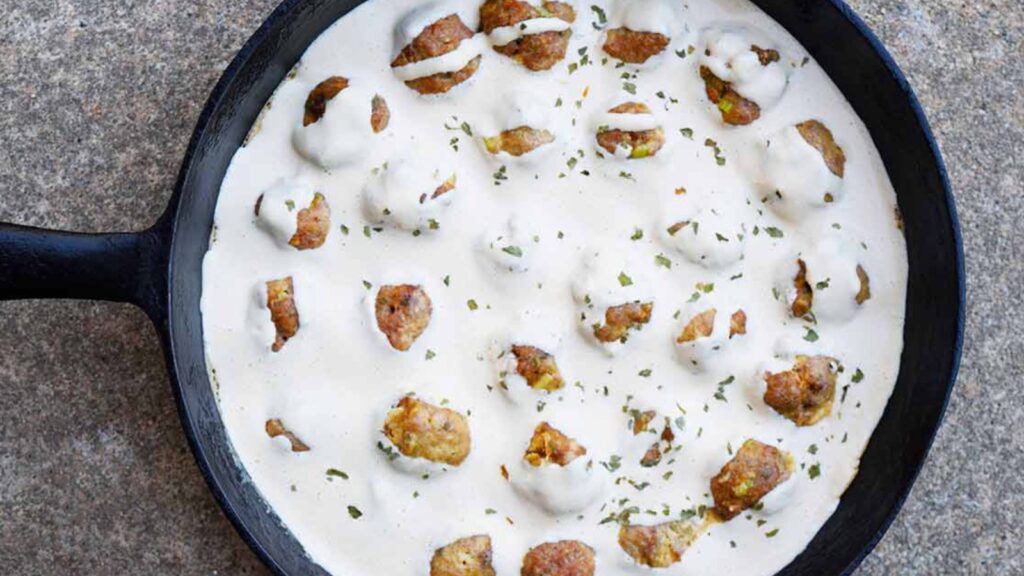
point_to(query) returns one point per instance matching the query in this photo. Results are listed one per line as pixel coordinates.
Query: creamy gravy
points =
(519, 251)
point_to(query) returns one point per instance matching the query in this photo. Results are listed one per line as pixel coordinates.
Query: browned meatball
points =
(805, 393)
(563, 558)
(422, 430)
(324, 92)
(550, 446)
(804, 295)
(535, 51)
(753, 472)
(283, 313)
(820, 137)
(634, 47)
(469, 556)
(735, 109)
(658, 546)
(618, 320)
(276, 428)
(640, 144)
(403, 313)
(380, 114)
(439, 38)
(700, 326)
(864, 294)
(313, 223)
(538, 368)
(518, 141)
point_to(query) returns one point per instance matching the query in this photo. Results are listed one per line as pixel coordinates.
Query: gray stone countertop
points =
(98, 99)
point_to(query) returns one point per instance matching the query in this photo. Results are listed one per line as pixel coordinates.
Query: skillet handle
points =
(125, 267)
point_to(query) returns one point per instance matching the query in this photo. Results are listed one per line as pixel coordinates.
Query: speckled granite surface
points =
(97, 102)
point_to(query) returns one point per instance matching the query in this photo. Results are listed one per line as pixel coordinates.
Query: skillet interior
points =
(878, 92)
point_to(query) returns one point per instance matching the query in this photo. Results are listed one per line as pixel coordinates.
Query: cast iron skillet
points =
(160, 270)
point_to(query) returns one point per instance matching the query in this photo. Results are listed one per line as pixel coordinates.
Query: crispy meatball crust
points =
(563, 558)
(538, 368)
(403, 313)
(324, 92)
(314, 223)
(470, 556)
(275, 428)
(820, 137)
(283, 313)
(737, 324)
(439, 38)
(550, 446)
(658, 546)
(380, 114)
(422, 430)
(804, 295)
(805, 393)
(753, 472)
(518, 141)
(634, 47)
(618, 320)
(535, 51)
(864, 294)
(700, 326)
(641, 144)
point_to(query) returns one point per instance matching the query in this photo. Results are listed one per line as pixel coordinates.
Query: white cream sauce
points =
(576, 218)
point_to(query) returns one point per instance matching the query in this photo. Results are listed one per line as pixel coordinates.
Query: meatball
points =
(618, 320)
(324, 92)
(313, 223)
(439, 38)
(735, 109)
(550, 446)
(422, 430)
(754, 471)
(470, 556)
(634, 47)
(283, 313)
(805, 393)
(658, 546)
(538, 368)
(403, 313)
(563, 558)
(640, 143)
(518, 141)
(276, 428)
(380, 114)
(820, 137)
(535, 51)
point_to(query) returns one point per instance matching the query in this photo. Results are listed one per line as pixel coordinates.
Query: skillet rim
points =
(169, 221)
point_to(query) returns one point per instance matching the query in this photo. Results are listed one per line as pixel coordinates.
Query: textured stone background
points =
(97, 102)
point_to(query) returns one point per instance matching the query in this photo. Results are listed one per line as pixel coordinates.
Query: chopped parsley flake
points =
(625, 280)
(513, 251)
(354, 512)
